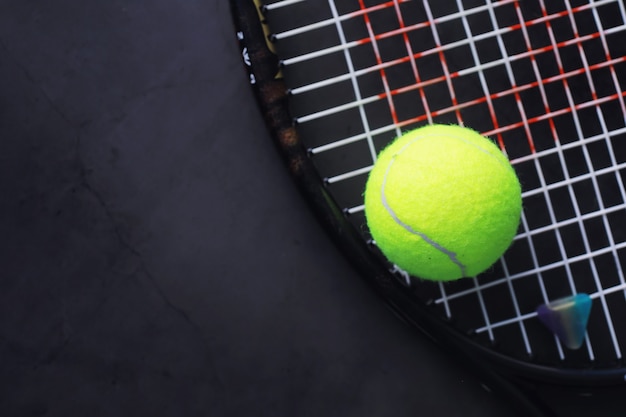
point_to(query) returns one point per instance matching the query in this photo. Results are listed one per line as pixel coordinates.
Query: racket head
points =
(543, 80)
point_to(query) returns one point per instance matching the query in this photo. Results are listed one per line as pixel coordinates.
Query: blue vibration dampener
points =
(567, 318)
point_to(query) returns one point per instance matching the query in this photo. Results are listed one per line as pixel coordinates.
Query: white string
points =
(279, 4)
(521, 110)
(594, 181)
(607, 136)
(543, 188)
(354, 81)
(328, 22)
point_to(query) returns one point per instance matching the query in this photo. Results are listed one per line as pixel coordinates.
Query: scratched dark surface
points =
(155, 257)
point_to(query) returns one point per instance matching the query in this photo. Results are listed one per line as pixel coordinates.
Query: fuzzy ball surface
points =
(443, 202)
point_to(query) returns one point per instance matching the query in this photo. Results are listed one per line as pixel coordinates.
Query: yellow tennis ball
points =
(443, 202)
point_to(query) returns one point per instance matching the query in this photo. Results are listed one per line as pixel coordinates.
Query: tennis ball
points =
(443, 202)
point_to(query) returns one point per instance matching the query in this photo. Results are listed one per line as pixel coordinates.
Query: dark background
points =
(155, 257)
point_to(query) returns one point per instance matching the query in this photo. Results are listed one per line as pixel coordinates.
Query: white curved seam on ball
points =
(451, 255)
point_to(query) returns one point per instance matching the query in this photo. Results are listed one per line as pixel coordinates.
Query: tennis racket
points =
(338, 80)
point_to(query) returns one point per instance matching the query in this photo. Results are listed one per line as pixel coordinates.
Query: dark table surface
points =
(156, 259)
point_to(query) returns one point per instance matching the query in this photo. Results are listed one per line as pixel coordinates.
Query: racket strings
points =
(559, 238)
(542, 78)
